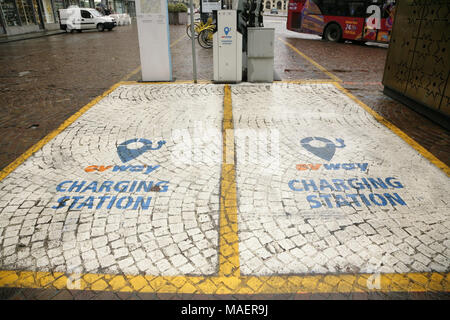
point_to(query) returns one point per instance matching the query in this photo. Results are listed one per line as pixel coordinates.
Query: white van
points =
(75, 18)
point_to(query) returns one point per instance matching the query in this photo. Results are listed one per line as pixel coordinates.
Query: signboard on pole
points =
(207, 6)
(154, 43)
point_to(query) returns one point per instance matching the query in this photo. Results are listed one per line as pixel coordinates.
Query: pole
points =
(194, 59)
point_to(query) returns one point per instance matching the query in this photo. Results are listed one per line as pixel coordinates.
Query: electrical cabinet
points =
(260, 54)
(227, 48)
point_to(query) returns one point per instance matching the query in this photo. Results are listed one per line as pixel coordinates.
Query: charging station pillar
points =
(154, 42)
(227, 48)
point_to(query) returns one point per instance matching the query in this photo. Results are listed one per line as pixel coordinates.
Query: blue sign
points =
(226, 30)
(326, 152)
(126, 154)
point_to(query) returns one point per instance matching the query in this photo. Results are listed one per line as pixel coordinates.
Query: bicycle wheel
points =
(205, 38)
(197, 25)
(188, 30)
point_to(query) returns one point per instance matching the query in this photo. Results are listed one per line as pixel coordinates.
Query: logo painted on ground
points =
(325, 152)
(146, 169)
(126, 154)
(107, 200)
(351, 189)
(351, 192)
(333, 166)
(350, 205)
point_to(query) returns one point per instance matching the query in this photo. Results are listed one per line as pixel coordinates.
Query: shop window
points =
(118, 7)
(84, 4)
(48, 11)
(10, 13)
(25, 8)
(131, 9)
(36, 13)
(58, 4)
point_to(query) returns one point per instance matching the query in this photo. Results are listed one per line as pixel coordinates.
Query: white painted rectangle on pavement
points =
(325, 188)
(132, 186)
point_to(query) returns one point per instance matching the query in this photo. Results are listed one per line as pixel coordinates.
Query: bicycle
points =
(205, 37)
(205, 34)
(198, 26)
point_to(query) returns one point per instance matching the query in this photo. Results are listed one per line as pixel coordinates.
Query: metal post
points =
(194, 59)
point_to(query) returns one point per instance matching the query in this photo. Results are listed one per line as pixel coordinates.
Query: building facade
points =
(281, 5)
(24, 16)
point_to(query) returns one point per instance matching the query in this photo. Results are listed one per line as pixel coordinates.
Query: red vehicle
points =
(336, 20)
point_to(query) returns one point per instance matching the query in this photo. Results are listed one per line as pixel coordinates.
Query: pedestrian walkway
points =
(289, 187)
(32, 35)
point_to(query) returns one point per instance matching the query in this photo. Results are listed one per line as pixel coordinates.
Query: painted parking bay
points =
(324, 188)
(119, 190)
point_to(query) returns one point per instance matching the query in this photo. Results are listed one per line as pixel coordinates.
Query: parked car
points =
(274, 11)
(75, 18)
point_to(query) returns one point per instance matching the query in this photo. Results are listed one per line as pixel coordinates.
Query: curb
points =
(31, 36)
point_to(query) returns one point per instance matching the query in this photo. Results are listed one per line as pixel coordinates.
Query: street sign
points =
(208, 6)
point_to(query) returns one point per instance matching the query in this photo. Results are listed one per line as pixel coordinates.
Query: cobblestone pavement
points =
(152, 201)
(37, 94)
(296, 213)
(44, 81)
(164, 200)
(114, 212)
(360, 67)
(48, 294)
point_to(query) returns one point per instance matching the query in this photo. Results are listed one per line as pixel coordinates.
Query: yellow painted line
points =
(228, 232)
(305, 81)
(318, 66)
(178, 40)
(424, 152)
(408, 282)
(373, 83)
(132, 73)
(12, 166)
(168, 82)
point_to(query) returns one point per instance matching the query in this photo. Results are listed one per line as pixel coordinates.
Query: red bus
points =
(336, 20)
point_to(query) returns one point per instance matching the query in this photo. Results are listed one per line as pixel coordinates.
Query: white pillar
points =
(154, 40)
